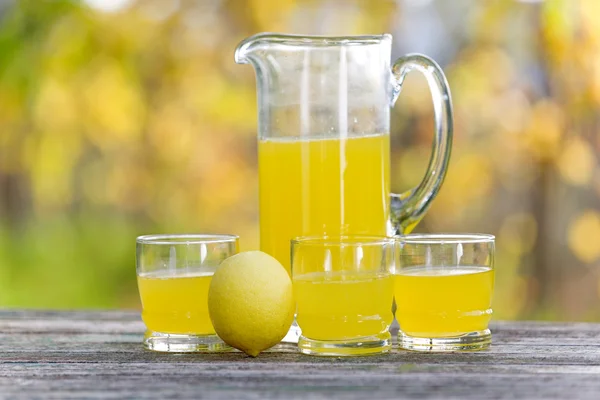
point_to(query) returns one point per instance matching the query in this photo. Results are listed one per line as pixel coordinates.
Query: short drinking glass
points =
(174, 273)
(344, 293)
(443, 288)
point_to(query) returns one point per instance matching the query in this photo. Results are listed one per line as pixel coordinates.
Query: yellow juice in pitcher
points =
(443, 301)
(343, 305)
(176, 303)
(329, 186)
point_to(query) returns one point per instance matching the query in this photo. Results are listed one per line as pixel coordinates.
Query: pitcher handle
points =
(408, 208)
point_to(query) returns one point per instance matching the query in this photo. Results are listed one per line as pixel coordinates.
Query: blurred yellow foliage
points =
(544, 130)
(583, 236)
(577, 162)
(518, 234)
(136, 120)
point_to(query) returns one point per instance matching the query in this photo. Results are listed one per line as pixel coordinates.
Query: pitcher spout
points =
(250, 45)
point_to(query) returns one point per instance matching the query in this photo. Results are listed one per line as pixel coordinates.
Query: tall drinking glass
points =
(174, 273)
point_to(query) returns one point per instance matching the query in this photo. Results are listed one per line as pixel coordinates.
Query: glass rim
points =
(186, 238)
(351, 240)
(446, 238)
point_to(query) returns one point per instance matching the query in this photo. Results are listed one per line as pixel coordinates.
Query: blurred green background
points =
(123, 117)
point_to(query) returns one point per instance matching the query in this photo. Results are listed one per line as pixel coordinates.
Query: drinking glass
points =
(174, 273)
(344, 292)
(443, 286)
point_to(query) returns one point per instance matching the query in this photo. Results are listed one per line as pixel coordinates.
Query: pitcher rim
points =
(299, 40)
(320, 39)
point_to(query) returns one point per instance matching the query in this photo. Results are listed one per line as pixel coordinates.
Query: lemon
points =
(251, 301)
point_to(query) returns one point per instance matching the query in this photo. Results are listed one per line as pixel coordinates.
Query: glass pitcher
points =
(323, 137)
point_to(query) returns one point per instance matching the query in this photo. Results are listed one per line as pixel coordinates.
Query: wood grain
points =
(49, 354)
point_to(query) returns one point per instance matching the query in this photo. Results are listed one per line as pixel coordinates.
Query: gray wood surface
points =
(98, 355)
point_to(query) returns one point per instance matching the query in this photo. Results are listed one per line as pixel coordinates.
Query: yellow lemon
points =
(251, 301)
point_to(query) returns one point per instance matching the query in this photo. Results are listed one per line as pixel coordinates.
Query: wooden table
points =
(50, 354)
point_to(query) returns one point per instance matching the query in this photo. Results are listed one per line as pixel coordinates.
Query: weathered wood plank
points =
(120, 349)
(87, 382)
(98, 354)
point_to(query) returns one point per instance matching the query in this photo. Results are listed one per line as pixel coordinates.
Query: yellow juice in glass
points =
(343, 305)
(331, 186)
(176, 304)
(443, 301)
